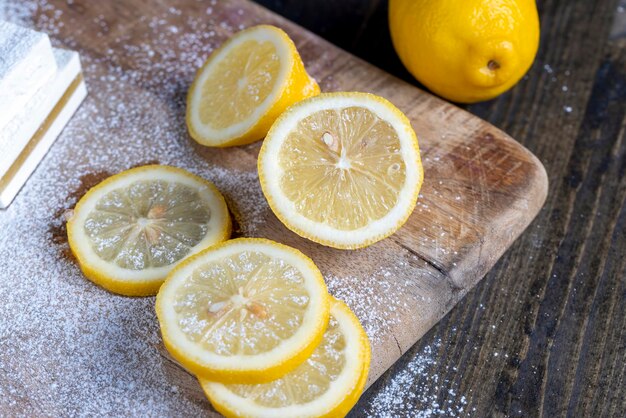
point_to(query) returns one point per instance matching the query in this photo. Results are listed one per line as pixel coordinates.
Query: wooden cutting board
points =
(481, 188)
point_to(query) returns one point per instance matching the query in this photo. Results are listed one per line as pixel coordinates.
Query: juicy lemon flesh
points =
(243, 304)
(239, 84)
(342, 167)
(307, 382)
(147, 224)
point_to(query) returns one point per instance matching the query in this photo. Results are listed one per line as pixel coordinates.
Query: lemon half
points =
(244, 85)
(342, 169)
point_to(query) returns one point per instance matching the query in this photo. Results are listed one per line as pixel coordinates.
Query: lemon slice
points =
(244, 85)
(341, 169)
(244, 311)
(328, 383)
(129, 231)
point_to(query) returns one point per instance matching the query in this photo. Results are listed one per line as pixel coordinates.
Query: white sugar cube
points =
(26, 65)
(15, 136)
(38, 124)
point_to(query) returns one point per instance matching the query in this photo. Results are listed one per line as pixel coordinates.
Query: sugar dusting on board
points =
(418, 383)
(66, 346)
(375, 299)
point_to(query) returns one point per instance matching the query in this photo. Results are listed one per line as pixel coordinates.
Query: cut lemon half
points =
(129, 231)
(244, 85)
(327, 384)
(342, 169)
(245, 311)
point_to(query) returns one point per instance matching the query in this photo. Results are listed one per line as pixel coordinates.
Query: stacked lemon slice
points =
(253, 320)
(328, 383)
(245, 311)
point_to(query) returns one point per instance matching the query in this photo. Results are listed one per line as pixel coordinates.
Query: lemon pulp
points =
(352, 158)
(147, 224)
(308, 381)
(341, 169)
(242, 304)
(239, 84)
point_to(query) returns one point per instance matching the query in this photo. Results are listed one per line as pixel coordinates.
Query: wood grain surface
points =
(544, 333)
(481, 187)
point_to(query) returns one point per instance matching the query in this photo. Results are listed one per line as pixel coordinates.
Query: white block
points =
(26, 64)
(45, 139)
(15, 136)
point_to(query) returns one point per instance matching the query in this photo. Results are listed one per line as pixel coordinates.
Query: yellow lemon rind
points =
(452, 55)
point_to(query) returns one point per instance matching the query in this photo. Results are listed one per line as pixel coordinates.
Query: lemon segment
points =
(129, 231)
(244, 86)
(341, 169)
(327, 384)
(247, 311)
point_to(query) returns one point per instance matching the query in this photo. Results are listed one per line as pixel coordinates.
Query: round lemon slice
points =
(327, 384)
(244, 85)
(129, 231)
(244, 311)
(341, 169)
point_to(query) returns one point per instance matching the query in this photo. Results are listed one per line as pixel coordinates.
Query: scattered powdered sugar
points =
(418, 383)
(19, 12)
(374, 298)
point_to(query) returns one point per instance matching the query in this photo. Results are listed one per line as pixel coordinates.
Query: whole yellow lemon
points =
(465, 50)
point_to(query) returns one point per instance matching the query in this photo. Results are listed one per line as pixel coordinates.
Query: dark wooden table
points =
(544, 334)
